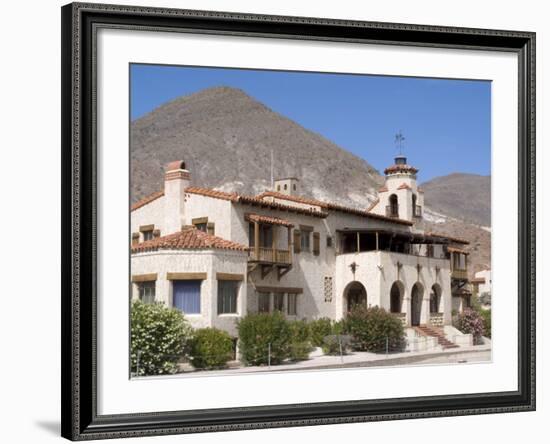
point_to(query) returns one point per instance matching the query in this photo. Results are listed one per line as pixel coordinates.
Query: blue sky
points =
(446, 123)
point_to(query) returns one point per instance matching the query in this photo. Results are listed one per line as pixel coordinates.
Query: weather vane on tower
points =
(399, 139)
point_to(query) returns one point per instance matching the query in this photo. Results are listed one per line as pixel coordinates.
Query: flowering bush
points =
(470, 321)
(160, 336)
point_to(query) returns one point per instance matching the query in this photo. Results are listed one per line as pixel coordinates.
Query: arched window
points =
(285, 186)
(414, 204)
(393, 208)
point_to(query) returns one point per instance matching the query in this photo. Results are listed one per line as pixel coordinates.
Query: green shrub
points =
(160, 335)
(486, 315)
(261, 332)
(319, 329)
(373, 328)
(300, 342)
(211, 348)
(470, 321)
(336, 344)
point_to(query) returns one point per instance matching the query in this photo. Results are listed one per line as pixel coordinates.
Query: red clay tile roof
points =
(190, 238)
(420, 190)
(233, 197)
(404, 186)
(146, 200)
(401, 169)
(299, 199)
(451, 238)
(254, 200)
(332, 206)
(259, 201)
(267, 220)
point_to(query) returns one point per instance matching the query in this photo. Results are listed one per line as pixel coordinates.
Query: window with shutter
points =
(316, 244)
(297, 241)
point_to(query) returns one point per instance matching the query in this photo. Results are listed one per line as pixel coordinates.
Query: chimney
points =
(176, 180)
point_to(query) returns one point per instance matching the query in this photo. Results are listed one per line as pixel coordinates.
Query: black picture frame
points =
(80, 420)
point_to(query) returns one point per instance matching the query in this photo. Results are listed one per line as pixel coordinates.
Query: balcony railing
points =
(392, 210)
(270, 255)
(402, 317)
(417, 211)
(436, 319)
(458, 273)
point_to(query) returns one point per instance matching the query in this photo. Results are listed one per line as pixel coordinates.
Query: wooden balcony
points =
(270, 256)
(458, 273)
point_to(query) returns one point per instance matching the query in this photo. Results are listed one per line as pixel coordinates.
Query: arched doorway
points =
(396, 297)
(435, 299)
(416, 303)
(355, 294)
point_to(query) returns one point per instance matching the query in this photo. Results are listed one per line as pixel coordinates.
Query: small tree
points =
(373, 329)
(471, 322)
(264, 338)
(211, 348)
(160, 336)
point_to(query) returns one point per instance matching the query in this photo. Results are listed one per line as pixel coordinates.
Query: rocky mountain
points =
(227, 138)
(462, 196)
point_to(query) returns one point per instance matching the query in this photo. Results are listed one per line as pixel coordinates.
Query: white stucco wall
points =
(195, 261)
(486, 287)
(152, 213)
(378, 270)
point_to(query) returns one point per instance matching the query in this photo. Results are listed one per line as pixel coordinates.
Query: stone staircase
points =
(436, 332)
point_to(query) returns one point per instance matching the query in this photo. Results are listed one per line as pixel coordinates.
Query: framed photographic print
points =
(279, 221)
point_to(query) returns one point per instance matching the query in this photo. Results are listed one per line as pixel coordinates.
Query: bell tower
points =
(400, 196)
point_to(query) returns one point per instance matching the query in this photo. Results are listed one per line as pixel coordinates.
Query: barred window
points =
(328, 288)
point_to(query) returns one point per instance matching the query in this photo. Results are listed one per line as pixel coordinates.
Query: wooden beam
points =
(199, 220)
(377, 240)
(257, 240)
(295, 290)
(229, 277)
(185, 276)
(144, 277)
(266, 269)
(281, 271)
(149, 227)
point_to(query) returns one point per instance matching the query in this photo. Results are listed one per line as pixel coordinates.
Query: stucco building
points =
(218, 256)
